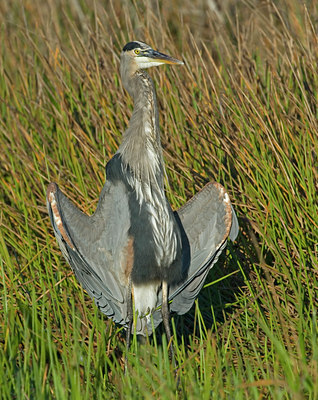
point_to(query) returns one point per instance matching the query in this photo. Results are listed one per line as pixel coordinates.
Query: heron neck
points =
(141, 145)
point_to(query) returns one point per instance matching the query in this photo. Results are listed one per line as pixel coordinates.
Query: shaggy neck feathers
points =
(141, 148)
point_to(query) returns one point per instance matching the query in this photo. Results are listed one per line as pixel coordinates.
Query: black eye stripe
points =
(131, 46)
(136, 45)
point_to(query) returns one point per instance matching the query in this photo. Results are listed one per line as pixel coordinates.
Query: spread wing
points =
(206, 221)
(93, 248)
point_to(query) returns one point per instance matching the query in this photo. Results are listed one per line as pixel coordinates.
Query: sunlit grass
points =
(241, 111)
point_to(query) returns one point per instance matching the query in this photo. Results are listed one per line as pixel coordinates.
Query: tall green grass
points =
(242, 111)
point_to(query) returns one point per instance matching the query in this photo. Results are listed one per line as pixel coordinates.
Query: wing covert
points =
(208, 219)
(92, 247)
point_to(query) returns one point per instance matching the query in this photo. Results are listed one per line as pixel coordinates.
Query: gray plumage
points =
(134, 241)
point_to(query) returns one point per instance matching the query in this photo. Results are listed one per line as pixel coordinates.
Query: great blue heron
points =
(134, 248)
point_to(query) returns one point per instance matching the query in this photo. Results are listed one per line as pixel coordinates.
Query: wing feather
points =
(207, 220)
(92, 248)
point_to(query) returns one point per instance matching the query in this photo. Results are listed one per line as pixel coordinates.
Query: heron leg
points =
(166, 318)
(130, 315)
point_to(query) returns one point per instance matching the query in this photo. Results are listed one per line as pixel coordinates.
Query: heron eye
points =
(137, 51)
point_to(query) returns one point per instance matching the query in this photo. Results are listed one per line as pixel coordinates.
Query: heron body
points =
(134, 248)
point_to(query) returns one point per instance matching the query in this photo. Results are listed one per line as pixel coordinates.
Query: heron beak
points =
(157, 57)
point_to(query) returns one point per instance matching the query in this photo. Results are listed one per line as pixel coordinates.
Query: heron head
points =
(138, 55)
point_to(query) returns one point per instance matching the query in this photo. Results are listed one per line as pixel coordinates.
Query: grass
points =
(242, 111)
